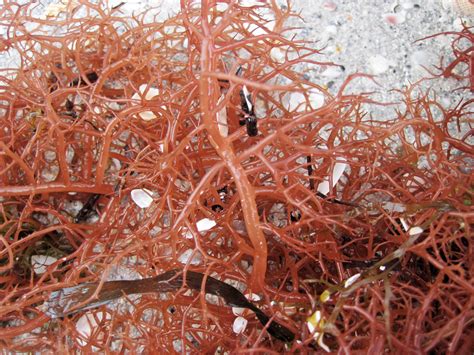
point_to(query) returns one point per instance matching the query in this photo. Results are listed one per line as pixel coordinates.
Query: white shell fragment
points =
(247, 95)
(414, 231)
(240, 323)
(338, 170)
(205, 224)
(150, 94)
(238, 311)
(404, 224)
(142, 197)
(40, 263)
(253, 297)
(351, 280)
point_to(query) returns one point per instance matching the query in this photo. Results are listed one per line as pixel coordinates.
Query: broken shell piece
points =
(404, 224)
(297, 101)
(149, 94)
(253, 297)
(351, 280)
(147, 115)
(238, 311)
(205, 224)
(40, 263)
(337, 173)
(142, 197)
(186, 233)
(414, 231)
(240, 323)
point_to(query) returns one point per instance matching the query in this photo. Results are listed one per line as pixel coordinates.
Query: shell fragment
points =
(142, 197)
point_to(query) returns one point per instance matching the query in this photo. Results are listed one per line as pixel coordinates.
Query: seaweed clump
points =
(131, 146)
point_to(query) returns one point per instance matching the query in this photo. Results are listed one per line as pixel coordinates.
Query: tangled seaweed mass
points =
(132, 148)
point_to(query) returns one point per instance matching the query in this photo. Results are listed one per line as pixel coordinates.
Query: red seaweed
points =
(103, 108)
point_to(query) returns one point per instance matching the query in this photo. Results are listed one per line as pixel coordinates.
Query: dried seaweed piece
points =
(66, 300)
